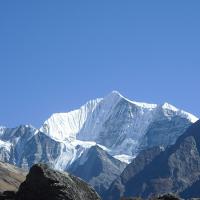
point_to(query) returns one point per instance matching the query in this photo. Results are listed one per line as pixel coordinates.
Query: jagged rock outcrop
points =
(44, 183)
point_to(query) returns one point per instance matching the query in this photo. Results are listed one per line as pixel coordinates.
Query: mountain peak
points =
(115, 92)
(113, 97)
(117, 95)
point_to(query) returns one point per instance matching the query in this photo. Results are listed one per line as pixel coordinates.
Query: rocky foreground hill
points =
(44, 183)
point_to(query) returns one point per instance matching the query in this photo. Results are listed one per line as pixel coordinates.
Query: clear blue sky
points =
(56, 55)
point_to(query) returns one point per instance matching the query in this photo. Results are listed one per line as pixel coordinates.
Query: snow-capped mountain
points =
(119, 126)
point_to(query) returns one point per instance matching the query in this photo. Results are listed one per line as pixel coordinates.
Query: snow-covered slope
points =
(65, 126)
(119, 126)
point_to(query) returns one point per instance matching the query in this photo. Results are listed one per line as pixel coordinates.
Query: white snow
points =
(5, 145)
(65, 126)
(124, 158)
(184, 114)
(189, 116)
(169, 107)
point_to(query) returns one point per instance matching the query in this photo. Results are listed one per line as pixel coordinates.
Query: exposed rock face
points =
(97, 168)
(117, 188)
(174, 170)
(44, 183)
(10, 177)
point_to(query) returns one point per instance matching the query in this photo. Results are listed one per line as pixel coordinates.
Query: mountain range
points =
(106, 133)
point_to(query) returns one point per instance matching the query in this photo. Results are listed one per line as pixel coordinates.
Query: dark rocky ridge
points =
(176, 170)
(117, 188)
(44, 183)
